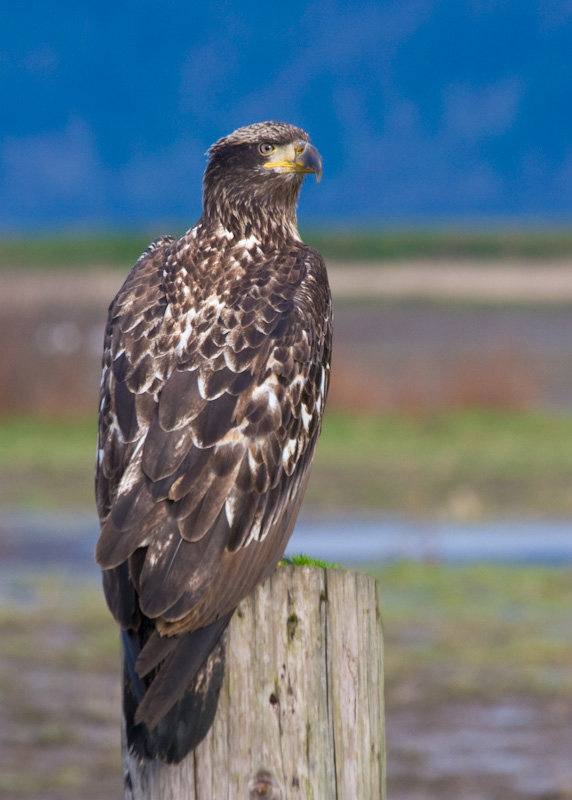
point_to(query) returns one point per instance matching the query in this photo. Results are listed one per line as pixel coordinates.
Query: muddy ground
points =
(65, 744)
(60, 701)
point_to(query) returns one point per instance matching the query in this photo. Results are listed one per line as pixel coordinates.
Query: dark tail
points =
(170, 689)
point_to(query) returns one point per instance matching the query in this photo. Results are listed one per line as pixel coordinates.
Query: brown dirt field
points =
(502, 281)
(447, 740)
(407, 336)
(474, 281)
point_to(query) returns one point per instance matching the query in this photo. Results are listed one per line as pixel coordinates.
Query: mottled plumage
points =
(215, 374)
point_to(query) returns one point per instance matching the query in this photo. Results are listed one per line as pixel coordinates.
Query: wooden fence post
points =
(300, 714)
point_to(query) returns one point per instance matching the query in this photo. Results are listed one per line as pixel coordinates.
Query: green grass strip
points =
(122, 249)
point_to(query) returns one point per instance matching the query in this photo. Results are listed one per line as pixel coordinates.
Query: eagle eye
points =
(266, 148)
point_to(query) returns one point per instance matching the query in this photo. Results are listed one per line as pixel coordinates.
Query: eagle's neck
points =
(267, 213)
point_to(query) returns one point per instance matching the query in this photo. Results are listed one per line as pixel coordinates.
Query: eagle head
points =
(256, 173)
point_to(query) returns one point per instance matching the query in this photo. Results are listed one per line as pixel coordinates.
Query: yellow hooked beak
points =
(299, 156)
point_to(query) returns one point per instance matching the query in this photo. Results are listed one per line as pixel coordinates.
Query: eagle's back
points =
(215, 374)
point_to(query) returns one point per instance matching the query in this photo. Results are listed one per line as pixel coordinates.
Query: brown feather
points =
(215, 375)
(176, 573)
(181, 400)
(164, 451)
(214, 421)
(126, 411)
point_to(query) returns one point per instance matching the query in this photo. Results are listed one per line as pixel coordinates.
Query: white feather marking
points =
(321, 392)
(255, 530)
(202, 388)
(267, 391)
(230, 509)
(235, 435)
(290, 452)
(186, 332)
(299, 379)
(249, 243)
(227, 355)
(306, 417)
(113, 426)
(154, 376)
(159, 547)
(133, 471)
(181, 283)
(252, 461)
(273, 400)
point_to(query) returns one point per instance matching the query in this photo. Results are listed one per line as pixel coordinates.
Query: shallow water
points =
(515, 748)
(352, 540)
(67, 541)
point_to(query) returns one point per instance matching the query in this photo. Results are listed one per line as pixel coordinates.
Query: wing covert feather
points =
(211, 402)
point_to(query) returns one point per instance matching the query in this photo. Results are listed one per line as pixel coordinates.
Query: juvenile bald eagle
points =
(215, 373)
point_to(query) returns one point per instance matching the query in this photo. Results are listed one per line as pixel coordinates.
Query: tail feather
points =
(156, 650)
(131, 649)
(181, 694)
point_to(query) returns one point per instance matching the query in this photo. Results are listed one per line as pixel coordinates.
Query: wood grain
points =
(300, 713)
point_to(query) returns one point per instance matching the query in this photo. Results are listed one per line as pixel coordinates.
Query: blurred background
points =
(445, 465)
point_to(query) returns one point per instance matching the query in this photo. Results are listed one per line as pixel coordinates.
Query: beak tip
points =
(311, 160)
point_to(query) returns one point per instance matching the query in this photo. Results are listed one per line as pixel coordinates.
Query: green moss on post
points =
(302, 560)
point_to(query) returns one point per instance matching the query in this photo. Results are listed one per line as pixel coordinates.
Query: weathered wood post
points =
(301, 712)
